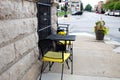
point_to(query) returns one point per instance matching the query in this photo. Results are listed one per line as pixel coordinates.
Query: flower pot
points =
(99, 35)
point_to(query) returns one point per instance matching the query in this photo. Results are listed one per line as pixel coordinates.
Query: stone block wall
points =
(54, 15)
(18, 40)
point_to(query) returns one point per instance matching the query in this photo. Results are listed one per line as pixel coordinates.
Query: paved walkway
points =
(56, 76)
(93, 60)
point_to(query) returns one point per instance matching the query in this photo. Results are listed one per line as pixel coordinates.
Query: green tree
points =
(88, 7)
(117, 6)
(112, 5)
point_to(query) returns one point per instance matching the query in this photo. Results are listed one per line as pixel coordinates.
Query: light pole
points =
(65, 9)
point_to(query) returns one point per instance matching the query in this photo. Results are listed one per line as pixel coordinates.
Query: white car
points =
(107, 13)
(117, 13)
(111, 13)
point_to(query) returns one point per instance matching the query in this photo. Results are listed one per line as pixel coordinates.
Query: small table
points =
(57, 37)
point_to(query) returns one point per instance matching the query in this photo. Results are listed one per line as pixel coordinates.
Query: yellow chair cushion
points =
(62, 33)
(55, 56)
(67, 42)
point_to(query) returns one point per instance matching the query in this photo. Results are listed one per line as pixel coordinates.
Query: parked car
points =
(107, 13)
(111, 13)
(78, 13)
(117, 13)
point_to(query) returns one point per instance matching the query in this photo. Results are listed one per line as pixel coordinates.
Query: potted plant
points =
(100, 30)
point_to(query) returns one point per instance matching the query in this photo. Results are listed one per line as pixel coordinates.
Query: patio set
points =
(57, 48)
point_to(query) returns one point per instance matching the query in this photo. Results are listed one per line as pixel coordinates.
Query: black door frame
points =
(44, 28)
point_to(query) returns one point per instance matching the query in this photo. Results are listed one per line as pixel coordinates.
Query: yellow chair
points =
(52, 56)
(68, 43)
(62, 33)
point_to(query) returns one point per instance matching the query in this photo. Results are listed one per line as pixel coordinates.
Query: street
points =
(86, 23)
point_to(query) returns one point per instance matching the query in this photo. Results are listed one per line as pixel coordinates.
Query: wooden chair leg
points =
(50, 65)
(67, 64)
(62, 71)
(71, 61)
(41, 70)
(72, 65)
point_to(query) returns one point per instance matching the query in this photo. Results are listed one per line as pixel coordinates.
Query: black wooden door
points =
(44, 25)
(44, 18)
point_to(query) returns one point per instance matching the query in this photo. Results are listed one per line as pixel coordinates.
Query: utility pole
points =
(65, 9)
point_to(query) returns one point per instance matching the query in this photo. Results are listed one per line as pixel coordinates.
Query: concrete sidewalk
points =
(57, 76)
(93, 60)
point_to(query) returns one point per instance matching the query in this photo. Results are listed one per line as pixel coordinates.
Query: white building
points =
(75, 5)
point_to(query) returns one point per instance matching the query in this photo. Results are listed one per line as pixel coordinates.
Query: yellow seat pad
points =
(67, 42)
(55, 56)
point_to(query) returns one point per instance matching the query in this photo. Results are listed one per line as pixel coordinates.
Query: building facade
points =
(99, 7)
(73, 5)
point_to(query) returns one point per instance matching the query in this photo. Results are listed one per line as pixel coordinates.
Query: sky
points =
(91, 2)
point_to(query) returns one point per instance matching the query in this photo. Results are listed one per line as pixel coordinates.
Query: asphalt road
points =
(86, 23)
